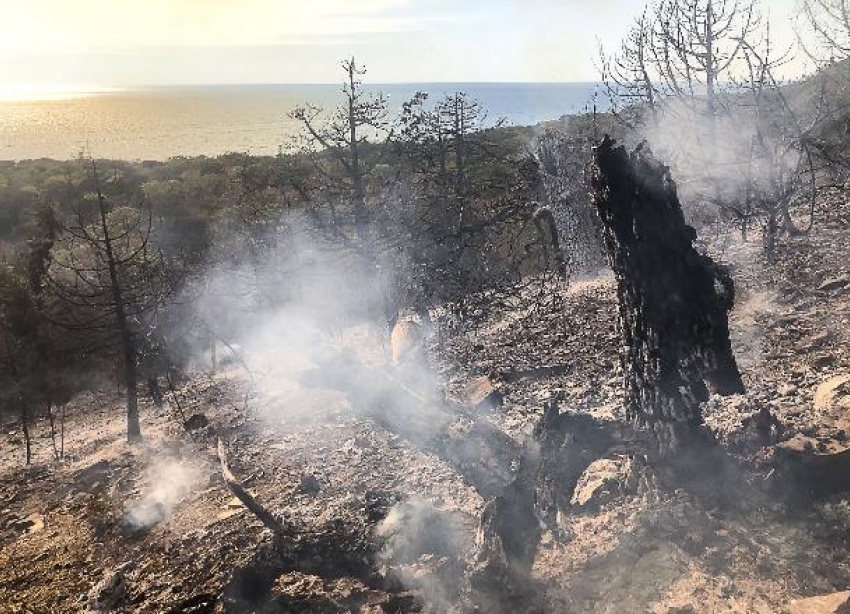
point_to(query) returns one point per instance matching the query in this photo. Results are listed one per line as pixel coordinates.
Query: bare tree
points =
(339, 145)
(475, 197)
(630, 76)
(823, 27)
(752, 152)
(699, 44)
(107, 279)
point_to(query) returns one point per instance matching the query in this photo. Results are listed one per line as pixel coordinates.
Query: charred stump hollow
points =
(673, 301)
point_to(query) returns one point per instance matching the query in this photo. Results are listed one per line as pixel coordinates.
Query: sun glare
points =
(46, 92)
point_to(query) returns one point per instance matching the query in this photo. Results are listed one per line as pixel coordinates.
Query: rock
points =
(36, 523)
(309, 485)
(836, 603)
(600, 482)
(31, 524)
(481, 393)
(833, 393)
(110, 592)
(195, 422)
(406, 341)
(836, 283)
(807, 466)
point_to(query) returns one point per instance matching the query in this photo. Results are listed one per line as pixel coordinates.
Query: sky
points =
(125, 43)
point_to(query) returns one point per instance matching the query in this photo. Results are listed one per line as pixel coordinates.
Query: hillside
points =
(382, 508)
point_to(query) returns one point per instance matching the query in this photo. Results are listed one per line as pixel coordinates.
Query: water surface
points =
(158, 123)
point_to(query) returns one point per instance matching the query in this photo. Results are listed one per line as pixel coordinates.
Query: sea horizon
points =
(158, 122)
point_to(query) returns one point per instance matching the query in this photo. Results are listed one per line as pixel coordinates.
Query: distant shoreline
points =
(212, 120)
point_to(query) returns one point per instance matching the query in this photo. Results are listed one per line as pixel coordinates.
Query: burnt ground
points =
(382, 521)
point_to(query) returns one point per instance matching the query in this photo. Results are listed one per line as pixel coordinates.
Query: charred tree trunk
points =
(56, 455)
(561, 448)
(770, 231)
(25, 418)
(673, 301)
(155, 392)
(62, 434)
(547, 230)
(128, 344)
(213, 355)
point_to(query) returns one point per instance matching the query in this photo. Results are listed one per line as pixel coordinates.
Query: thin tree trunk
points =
(26, 430)
(134, 429)
(788, 223)
(155, 392)
(213, 355)
(175, 398)
(62, 434)
(52, 431)
(770, 232)
(361, 218)
(547, 231)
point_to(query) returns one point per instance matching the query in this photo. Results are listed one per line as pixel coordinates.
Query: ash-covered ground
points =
(381, 507)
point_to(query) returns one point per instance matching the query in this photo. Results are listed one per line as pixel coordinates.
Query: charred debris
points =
(675, 351)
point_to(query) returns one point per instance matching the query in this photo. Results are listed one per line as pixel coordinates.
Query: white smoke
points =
(424, 547)
(170, 481)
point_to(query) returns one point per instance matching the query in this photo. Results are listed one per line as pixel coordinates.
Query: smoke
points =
(170, 481)
(306, 303)
(749, 322)
(424, 548)
(728, 162)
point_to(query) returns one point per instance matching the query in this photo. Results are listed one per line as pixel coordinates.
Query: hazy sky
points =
(159, 42)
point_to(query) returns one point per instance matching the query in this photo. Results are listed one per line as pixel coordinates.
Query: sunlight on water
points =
(46, 93)
(158, 123)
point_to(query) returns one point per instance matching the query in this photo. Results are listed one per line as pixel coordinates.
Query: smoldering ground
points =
(168, 480)
(309, 325)
(425, 547)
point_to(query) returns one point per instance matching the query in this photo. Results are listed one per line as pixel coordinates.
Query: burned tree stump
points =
(673, 301)
(561, 448)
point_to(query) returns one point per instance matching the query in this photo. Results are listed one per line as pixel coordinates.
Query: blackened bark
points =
(547, 230)
(563, 445)
(361, 215)
(25, 418)
(128, 345)
(155, 391)
(673, 301)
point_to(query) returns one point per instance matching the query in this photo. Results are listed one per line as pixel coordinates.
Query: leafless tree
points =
(473, 221)
(631, 76)
(823, 27)
(107, 279)
(751, 150)
(342, 146)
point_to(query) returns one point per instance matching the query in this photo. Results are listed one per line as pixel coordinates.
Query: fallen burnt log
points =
(336, 549)
(248, 500)
(559, 451)
(408, 405)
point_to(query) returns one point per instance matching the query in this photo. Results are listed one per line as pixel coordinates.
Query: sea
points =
(162, 122)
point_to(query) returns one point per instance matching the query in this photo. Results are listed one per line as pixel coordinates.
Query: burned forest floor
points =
(381, 505)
